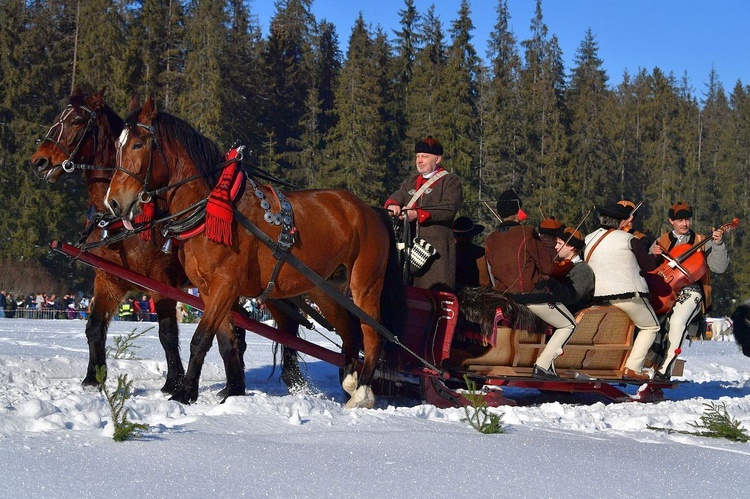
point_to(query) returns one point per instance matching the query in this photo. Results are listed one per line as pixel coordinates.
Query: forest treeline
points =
(317, 116)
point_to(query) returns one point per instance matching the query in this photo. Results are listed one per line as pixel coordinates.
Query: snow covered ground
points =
(55, 437)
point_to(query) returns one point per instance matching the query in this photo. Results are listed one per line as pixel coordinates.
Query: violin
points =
(683, 266)
(561, 268)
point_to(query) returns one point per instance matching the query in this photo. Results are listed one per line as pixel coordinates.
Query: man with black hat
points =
(516, 255)
(618, 261)
(429, 200)
(471, 265)
(692, 296)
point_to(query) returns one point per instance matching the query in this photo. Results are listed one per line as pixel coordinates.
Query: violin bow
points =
(492, 211)
(574, 230)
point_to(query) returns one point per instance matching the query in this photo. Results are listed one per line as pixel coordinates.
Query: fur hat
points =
(573, 238)
(430, 146)
(465, 227)
(508, 204)
(680, 210)
(551, 227)
(614, 210)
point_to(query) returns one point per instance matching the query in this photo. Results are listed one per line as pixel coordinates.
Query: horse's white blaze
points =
(350, 383)
(361, 398)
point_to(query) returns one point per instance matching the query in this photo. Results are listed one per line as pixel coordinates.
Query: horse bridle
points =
(145, 195)
(68, 165)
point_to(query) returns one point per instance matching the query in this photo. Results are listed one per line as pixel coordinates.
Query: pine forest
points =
(317, 116)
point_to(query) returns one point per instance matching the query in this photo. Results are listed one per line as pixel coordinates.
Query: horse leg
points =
(366, 290)
(215, 321)
(166, 313)
(347, 327)
(107, 297)
(291, 374)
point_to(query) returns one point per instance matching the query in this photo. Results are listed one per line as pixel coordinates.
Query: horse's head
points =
(159, 153)
(141, 165)
(84, 132)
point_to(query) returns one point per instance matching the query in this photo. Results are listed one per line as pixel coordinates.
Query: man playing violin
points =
(692, 296)
(566, 294)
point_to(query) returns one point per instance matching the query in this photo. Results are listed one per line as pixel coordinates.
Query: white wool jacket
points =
(616, 269)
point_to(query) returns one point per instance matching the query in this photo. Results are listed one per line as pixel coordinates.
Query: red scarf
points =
(220, 209)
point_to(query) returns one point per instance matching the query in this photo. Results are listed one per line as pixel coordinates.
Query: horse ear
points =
(149, 111)
(135, 103)
(97, 100)
(77, 91)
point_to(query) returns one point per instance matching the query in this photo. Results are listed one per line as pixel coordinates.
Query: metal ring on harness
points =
(68, 166)
(144, 197)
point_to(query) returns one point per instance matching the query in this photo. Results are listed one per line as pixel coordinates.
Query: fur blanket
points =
(478, 305)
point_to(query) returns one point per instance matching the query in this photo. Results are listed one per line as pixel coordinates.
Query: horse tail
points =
(741, 323)
(393, 296)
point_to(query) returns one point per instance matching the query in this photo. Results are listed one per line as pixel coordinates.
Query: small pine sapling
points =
(125, 345)
(124, 429)
(478, 416)
(715, 423)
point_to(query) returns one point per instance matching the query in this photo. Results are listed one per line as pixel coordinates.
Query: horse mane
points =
(202, 151)
(114, 121)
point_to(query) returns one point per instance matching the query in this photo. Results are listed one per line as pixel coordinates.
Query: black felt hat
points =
(614, 210)
(680, 211)
(508, 203)
(465, 227)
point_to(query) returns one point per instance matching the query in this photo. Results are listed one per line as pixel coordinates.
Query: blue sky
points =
(674, 35)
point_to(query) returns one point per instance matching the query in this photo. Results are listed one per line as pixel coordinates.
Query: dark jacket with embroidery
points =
(436, 209)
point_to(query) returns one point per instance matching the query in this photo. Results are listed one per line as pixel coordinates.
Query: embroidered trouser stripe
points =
(559, 317)
(684, 311)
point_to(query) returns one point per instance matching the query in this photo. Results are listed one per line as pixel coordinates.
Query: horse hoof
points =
(362, 398)
(89, 382)
(171, 386)
(184, 397)
(350, 383)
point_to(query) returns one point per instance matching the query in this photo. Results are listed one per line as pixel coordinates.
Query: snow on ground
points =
(55, 436)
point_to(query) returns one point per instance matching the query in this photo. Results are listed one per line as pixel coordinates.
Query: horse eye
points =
(78, 120)
(137, 146)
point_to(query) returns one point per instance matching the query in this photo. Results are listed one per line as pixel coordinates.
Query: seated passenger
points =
(518, 260)
(567, 293)
(471, 265)
(618, 261)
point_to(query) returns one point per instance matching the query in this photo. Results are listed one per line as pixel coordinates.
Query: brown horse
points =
(83, 136)
(85, 132)
(340, 238)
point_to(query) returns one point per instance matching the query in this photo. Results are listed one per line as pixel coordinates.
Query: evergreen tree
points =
(503, 130)
(289, 59)
(204, 99)
(460, 104)
(588, 176)
(424, 109)
(406, 46)
(542, 84)
(100, 29)
(355, 151)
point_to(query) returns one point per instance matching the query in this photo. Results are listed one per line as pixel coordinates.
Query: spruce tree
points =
(355, 151)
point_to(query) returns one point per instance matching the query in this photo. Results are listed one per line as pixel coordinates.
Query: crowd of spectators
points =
(69, 306)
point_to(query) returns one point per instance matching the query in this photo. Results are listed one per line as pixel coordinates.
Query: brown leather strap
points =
(588, 254)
